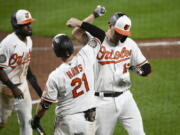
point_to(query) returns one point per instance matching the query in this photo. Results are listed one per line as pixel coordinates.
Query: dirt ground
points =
(43, 60)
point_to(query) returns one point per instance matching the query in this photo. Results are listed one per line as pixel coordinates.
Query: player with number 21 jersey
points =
(72, 84)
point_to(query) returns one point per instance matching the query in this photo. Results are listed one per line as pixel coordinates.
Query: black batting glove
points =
(99, 11)
(35, 124)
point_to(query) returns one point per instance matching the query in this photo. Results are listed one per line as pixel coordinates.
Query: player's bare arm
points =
(14, 89)
(92, 29)
(78, 33)
(33, 81)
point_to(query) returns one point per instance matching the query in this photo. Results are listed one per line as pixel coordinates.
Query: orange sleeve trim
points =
(141, 63)
(97, 40)
(47, 99)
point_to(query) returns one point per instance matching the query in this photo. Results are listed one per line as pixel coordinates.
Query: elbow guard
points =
(146, 69)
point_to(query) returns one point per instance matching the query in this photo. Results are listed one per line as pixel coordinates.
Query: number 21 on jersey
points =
(78, 82)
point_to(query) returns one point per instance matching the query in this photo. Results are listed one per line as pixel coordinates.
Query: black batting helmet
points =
(62, 46)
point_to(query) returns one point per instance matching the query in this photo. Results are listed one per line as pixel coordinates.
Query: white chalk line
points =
(36, 101)
(162, 43)
(159, 43)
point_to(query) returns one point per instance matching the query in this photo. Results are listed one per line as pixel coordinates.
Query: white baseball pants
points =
(22, 107)
(74, 124)
(123, 109)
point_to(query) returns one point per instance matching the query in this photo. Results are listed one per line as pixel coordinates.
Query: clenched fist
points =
(74, 22)
(99, 11)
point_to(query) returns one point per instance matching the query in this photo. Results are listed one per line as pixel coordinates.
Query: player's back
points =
(72, 83)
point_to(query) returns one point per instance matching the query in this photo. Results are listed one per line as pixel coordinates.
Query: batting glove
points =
(99, 11)
(136, 70)
(35, 124)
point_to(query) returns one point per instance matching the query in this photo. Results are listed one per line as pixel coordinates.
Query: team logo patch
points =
(2, 58)
(92, 43)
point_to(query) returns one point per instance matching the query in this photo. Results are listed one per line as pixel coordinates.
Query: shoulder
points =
(130, 42)
(93, 42)
(9, 40)
(29, 39)
(56, 74)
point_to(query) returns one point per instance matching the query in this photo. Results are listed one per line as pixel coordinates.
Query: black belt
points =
(108, 94)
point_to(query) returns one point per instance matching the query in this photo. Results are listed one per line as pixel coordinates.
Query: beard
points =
(25, 33)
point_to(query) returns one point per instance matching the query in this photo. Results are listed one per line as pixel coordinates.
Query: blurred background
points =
(150, 19)
(155, 22)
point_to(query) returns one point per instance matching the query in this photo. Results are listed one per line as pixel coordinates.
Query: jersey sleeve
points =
(50, 93)
(138, 58)
(90, 50)
(4, 56)
(89, 36)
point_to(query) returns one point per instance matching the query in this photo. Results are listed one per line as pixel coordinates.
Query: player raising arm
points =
(118, 54)
(71, 85)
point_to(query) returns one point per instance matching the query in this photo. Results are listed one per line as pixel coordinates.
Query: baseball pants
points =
(22, 107)
(123, 109)
(74, 124)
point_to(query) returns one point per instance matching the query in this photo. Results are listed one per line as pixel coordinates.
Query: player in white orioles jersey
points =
(71, 85)
(14, 71)
(118, 54)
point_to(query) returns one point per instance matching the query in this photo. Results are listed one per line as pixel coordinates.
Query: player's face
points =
(26, 29)
(115, 37)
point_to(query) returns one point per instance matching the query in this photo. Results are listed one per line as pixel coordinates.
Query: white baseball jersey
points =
(111, 70)
(72, 83)
(15, 57)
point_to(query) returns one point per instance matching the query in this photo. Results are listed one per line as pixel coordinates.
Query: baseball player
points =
(71, 85)
(15, 50)
(118, 54)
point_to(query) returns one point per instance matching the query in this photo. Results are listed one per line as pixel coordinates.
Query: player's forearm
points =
(146, 68)
(4, 78)
(93, 30)
(42, 108)
(143, 70)
(40, 113)
(89, 19)
(78, 32)
(33, 81)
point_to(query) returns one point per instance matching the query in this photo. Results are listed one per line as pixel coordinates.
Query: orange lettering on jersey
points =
(69, 74)
(74, 71)
(80, 67)
(16, 60)
(106, 57)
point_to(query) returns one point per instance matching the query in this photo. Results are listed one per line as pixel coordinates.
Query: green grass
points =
(150, 19)
(157, 97)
